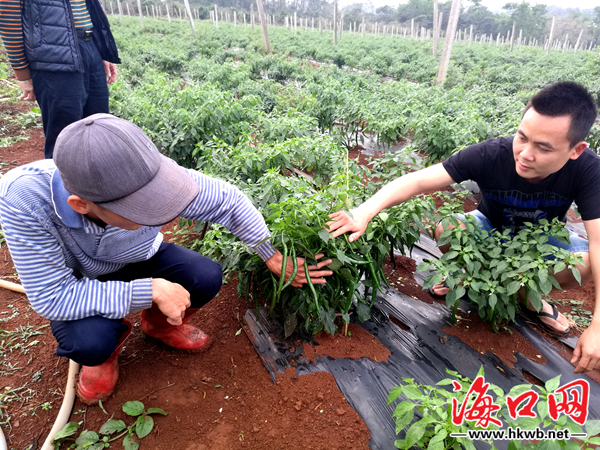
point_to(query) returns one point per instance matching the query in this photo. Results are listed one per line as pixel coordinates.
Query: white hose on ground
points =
(66, 407)
(3, 445)
(63, 414)
(68, 400)
(12, 286)
(17, 288)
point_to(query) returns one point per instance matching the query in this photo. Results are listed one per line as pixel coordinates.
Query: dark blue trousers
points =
(66, 97)
(92, 340)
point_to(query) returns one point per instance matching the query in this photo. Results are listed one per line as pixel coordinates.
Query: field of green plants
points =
(279, 126)
(216, 102)
(281, 96)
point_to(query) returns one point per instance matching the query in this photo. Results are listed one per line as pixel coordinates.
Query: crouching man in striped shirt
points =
(84, 234)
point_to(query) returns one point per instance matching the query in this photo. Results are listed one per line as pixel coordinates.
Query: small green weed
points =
(9, 90)
(3, 167)
(96, 440)
(10, 140)
(18, 341)
(12, 397)
(29, 118)
(582, 317)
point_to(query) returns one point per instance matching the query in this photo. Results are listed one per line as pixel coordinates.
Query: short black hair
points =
(567, 98)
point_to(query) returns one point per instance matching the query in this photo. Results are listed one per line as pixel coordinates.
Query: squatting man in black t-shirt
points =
(533, 175)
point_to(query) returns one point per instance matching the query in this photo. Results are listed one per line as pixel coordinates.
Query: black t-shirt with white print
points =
(508, 200)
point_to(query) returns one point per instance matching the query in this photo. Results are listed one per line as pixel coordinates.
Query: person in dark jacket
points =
(63, 55)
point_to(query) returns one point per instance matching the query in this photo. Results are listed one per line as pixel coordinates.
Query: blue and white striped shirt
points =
(59, 253)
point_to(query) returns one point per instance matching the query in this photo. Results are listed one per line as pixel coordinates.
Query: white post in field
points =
(447, 50)
(263, 21)
(551, 34)
(512, 36)
(139, 2)
(335, 22)
(578, 41)
(188, 11)
(436, 35)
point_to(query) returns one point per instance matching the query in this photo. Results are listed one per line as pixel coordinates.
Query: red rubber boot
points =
(183, 337)
(98, 382)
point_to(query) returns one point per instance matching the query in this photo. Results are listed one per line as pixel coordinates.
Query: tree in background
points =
(533, 20)
(355, 13)
(572, 24)
(482, 19)
(386, 14)
(422, 12)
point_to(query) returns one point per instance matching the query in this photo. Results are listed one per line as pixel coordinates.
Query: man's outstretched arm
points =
(223, 203)
(392, 194)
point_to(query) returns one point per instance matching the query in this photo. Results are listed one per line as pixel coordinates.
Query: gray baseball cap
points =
(111, 162)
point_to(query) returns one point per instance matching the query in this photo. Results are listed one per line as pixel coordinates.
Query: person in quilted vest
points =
(63, 55)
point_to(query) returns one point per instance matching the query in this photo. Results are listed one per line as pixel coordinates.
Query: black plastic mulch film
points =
(415, 353)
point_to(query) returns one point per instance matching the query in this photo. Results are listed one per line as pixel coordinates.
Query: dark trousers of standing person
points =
(66, 97)
(92, 340)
